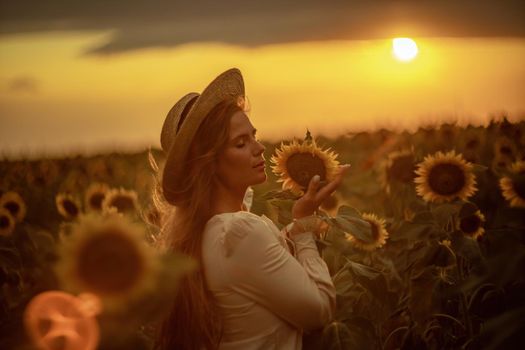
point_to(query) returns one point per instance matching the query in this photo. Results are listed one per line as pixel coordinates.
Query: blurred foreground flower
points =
(95, 195)
(14, 203)
(108, 256)
(297, 162)
(7, 222)
(379, 234)
(472, 225)
(513, 185)
(124, 201)
(443, 177)
(67, 205)
(398, 168)
(56, 320)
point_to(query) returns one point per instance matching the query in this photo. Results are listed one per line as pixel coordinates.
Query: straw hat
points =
(180, 128)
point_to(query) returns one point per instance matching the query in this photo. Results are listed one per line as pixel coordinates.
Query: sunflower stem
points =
(464, 308)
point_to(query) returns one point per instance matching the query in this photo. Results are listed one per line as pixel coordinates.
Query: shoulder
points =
(242, 226)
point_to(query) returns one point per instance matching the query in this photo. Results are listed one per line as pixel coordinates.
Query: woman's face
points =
(237, 163)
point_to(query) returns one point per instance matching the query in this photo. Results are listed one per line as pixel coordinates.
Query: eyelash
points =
(242, 145)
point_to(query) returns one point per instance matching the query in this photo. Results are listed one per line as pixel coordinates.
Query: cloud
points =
(143, 24)
(22, 84)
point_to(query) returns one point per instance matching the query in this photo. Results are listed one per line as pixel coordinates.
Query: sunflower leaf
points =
(358, 228)
(442, 212)
(372, 280)
(278, 194)
(345, 210)
(424, 217)
(478, 167)
(411, 231)
(284, 207)
(466, 247)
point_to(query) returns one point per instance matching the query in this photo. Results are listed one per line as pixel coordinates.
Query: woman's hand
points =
(312, 199)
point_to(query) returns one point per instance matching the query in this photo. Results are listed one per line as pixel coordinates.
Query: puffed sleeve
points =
(298, 290)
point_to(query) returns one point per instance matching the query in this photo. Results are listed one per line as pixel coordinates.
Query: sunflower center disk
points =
(13, 207)
(4, 221)
(70, 208)
(96, 200)
(303, 166)
(110, 264)
(123, 204)
(446, 179)
(518, 184)
(470, 224)
(375, 230)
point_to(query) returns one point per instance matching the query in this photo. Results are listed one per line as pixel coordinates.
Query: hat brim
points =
(228, 85)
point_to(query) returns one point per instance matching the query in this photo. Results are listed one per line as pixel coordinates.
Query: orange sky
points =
(54, 100)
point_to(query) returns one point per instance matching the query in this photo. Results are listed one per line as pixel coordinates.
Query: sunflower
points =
(448, 133)
(443, 177)
(122, 200)
(471, 225)
(397, 168)
(379, 233)
(513, 186)
(297, 162)
(505, 146)
(67, 205)
(7, 222)
(94, 196)
(13, 202)
(472, 141)
(500, 163)
(43, 173)
(108, 256)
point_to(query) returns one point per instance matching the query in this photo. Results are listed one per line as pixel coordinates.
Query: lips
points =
(259, 164)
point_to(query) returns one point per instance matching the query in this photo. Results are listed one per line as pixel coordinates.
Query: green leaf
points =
(478, 167)
(411, 231)
(374, 281)
(345, 210)
(284, 210)
(443, 212)
(424, 217)
(278, 194)
(358, 228)
(466, 247)
(439, 255)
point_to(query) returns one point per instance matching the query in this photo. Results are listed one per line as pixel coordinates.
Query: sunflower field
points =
(425, 241)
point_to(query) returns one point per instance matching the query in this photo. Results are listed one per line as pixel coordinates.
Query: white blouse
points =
(267, 295)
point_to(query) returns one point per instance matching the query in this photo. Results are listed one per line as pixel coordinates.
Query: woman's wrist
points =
(305, 224)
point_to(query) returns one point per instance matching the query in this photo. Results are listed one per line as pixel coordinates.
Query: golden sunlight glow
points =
(328, 87)
(404, 49)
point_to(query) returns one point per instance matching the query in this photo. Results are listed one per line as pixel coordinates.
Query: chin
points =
(261, 179)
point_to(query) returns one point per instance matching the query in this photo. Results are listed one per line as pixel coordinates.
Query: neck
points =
(227, 200)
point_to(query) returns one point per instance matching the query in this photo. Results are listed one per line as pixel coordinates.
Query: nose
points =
(260, 148)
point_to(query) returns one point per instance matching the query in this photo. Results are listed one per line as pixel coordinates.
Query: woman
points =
(250, 290)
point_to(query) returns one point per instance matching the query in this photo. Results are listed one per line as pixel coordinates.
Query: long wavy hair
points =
(194, 321)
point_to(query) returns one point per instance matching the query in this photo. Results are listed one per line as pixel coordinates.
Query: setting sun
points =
(404, 49)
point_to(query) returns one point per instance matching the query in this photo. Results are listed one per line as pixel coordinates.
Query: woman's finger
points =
(313, 186)
(327, 190)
